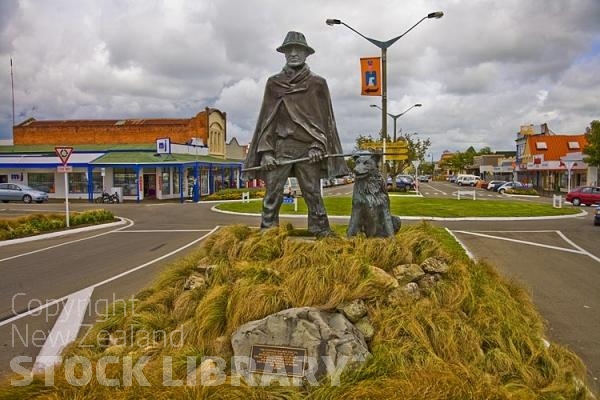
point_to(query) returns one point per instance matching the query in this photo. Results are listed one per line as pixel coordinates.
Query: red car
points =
(586, 195)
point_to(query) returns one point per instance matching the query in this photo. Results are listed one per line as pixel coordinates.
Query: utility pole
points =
(12, 85)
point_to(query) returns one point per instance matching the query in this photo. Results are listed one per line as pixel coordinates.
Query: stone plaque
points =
(293, 359)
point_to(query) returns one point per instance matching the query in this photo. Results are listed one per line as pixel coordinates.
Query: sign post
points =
(416, 164)
(64, 153)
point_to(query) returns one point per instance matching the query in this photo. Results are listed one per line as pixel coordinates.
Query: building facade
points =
(552, 162)
(124, 156)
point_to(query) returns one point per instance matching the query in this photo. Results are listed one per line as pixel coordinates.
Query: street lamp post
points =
(383, 45)
(432, 165)
(396, 116)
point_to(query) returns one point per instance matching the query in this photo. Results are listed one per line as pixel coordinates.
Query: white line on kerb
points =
(104, 282)
(69, 242)
(467, 251)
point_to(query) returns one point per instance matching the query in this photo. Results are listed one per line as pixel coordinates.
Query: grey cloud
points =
(477, 71)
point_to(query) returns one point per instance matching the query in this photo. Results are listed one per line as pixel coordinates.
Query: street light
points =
(396, 116)
(383, 45)
(432, 165)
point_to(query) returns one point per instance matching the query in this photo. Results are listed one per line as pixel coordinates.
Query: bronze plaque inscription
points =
(271, 358)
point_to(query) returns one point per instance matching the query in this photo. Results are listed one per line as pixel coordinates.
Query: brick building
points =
(209, 126)
(124, 156)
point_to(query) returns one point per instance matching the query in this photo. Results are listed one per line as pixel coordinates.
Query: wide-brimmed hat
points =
(296, 38)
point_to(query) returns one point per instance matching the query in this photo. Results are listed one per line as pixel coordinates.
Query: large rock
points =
(383, 278)
(408, 273)
(354, 310)
(328, 339)
(434, 265)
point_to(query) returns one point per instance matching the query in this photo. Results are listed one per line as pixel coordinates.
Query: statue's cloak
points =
(306, 98)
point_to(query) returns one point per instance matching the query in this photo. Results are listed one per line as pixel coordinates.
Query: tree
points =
(417, 149)
(592, 149)
(485, 150)
(458, 161)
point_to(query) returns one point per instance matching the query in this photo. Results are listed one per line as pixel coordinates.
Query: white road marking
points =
(104, 282)
(164, 230)
(65, 329)
(583, 251)
(577, 250)
(436, 190)
(131, 223)
(537, 231)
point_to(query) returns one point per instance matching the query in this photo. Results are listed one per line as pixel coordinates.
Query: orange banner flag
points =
(370, 71)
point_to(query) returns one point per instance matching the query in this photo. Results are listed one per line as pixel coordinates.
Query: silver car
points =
(19, 192)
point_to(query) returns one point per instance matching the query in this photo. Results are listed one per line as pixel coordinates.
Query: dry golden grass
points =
(474, 336)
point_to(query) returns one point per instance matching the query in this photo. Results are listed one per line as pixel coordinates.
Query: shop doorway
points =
(150, 186)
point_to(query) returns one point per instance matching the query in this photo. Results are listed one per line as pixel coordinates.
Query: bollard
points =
(245, 197)
(556, 201)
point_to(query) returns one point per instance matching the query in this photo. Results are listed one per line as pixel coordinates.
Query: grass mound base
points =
(472, 336)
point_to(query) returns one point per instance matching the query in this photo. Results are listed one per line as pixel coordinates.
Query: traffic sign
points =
(397, 150)
(64, 168)
(371, 145)
(397, 157)
(63, 153)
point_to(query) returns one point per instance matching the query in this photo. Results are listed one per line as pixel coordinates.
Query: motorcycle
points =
(108, 198)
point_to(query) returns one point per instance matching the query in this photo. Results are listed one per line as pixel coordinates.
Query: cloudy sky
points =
(481, 71)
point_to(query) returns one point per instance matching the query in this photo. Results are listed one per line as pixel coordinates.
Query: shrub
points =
(528, 191)
(235, 194)
(38, 223)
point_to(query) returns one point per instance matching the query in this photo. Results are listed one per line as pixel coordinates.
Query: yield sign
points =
(63, 153)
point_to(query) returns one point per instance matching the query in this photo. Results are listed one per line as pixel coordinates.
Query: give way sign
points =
(63, 153)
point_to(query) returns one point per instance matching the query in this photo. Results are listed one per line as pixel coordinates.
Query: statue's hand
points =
(268, 162)
(315, 155)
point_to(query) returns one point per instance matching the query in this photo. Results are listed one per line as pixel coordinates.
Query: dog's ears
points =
(376, 155)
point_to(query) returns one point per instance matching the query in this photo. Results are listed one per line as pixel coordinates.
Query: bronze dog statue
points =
(370, 201)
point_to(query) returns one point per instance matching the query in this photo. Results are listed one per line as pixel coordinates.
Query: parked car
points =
(19, 192)
(493, 185)
(467, 180)
(510, 185)
(452, 178)
(405, 182)
(292, 187)
(597, 216)
(424, 178)
(586, 195)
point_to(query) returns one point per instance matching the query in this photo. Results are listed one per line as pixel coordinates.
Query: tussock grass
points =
(472, 336)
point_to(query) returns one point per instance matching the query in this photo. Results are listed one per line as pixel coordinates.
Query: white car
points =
(510, 185)
(19, 192)
(467, 180)
(492, 185)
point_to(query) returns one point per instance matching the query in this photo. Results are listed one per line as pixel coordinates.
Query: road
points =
(557, 260)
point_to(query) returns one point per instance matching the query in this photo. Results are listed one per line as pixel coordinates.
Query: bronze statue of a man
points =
(295, 121)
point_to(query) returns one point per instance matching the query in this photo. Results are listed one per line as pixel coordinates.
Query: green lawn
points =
(424, 207)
